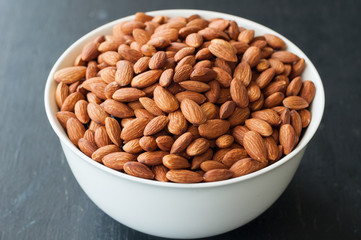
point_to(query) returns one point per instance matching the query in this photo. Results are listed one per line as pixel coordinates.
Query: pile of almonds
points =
(184, 99)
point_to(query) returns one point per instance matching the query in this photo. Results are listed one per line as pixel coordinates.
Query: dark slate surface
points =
(39, 197)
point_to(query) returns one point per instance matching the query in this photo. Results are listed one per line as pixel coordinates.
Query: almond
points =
(71, 100)
(223, 49)
(287, 138)
(197, 160)
(227, 109)
(213, 128)
(75, 130)
(90, 51)
(81, 112)
(210, 110)
(61, 93)
(239, 93)
(246, 36)
(113, 130)
(195, 86)
(96, 85)
(253, 91)
(197, 147)
(217, 175)
(294, 87)
(103, 151)
(165, 100)
(225, 141)
(146, 79)
(116, 160)
(183, 176)
(63, 117)
(305, 117)
(181, 143)
(158, 60)
(233, 156)
(141, 65)
(101, 137)
(87, 147)
(124, 73)
(268, 115)
(308, 91)
(211, 164)
(285, 116)
(97, 113)
(92, 98)
(129, 54)
(260, 126)
(285, 56)
(177, 123)
(274, 100)
(188, 30)
(203, 54)
(134, 129)
(111, 57)
(133, 146)
(265, 77)
(252, 56)
(295, 102)
(272, 148)
(193, 112)
(273, 87)
(239, 116)
(254, 145)
(138, 169)
(274, 41)
(238, 133)
(166, 78)
(298, 67)
(277, 65)
(182, 73)
(147, 143)
(128, 94)
(296, 122)
(194, 40)
(173, 162)
(151, 158)
(156, 125)
(183, 53)
(245, 166)
(222, 77)
(164, 142)
(160, 173)
(211, 33)
(117, 109)
(170, 33)
(140, 36)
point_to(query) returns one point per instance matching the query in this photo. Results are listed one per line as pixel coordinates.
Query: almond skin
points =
(158, 60)
(194, 96)
(150, 105)
(238, 133)
(274, 41)
(254, 145)
(195, 86)
(305, 117)
(308, 91)
(164, 142)
(117, 109)
(160, 172)
(113, 130)
(245, 166)
(296, 122)
(211, 164)
(243, 73)
(223, 50)
(138, 169)
(227, 109)
(156, 125)
(239, 93)
(253, 91)
(87, 147)
(268, 115)
(252, 56)
(233, 156)
(165, 100)
(260, 126)
(177, 123)
(133, 146)
(295, 102)
(272, 148)
(197, 147)
(213, 128)
(239, 116)
(141, 65)
(294, 87)
(183, 176)
(152, 158)
(182, 142)
(134, 129)
(103, 151)
(128, 94)
(97, 113)
(285, 56)
(193, 112)
(265, 77)
(287, 138)
(75, 130)
(71, 100)
(173, 162)
(116, 160)
(197, 160)
(146, 79)
(147, 143)
(217, 175)
(81, 112)
(124, 73)
(70, 75)
(62, 91)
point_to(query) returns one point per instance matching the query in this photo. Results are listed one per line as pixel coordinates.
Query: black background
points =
(39, 197)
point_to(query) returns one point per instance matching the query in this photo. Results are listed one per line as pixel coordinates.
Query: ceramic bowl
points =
(176, 210)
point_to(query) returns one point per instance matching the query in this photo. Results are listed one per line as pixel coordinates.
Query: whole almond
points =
(128, 94)
(61, 93)
(141, 65)
(87, 147)
(134, 129)
(211, 110)
(217, 175)
(143, 113)
(194, 96)
(214, 91)
(193, 112)
(272, 148)
(181, 143)
(110, 89)
(308, 91)
(151, 158)
(197, 147)
(274, 100)
(147, 143)
(243, 73)
(225, 141)
(81, 112)
(197, 160)
(165, 100)
(194, 40)
(287, 138)
(223, 77)
(233, 156)
(183, 176)
(267, 115)
(260, 126)
(177, 123)
(156, 125)
(108, 74)
(124, 73)
(133, 146)
(75, 130)
(173, 161)
(254, 145)
(129, 54)
(258, 104)
(245, 166)
(227, 109)
(170, 33)
(253, 91)
(166, 78)
(211, 164)
(188, 30)
(103, 151)
(97, 86)
(274, 41)
(186, 51)
(63, 117)
(285, 56)
(213, 128)
(211, 33)
(296, 122)
(277, 65)
(111, 57)
(295, 102)
(239, 116)
(182, 73)
(146, 79)
(138, 169)
(101, 137)
(128, 27)
(140, 36)
(294, 87)
(97, 113)
(117, 109)
(203, 54)
(246, 36)
(239, 93)
(298, 67)
(252, 56)
(160, 172)
(195, 86)
(71, 100)
(273, 87)
(223, 49)
(158, 60)
(113, 130)
(116, 160)
(285, 116)
(164, 142)
(92, 98)
(265, 77)
(305, 117)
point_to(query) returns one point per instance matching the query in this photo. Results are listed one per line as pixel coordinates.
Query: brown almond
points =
(197, 147)
(158, 60)
(211, 110)
(245, 166)
(239, 93)
(147, 143)
(188, 30)
(253, 91)
(239, 116)
(274, 41)
(277, 65)
(267, 115)
(173, 161)
(166, 78)
(308, 91)
(225, 141)
(63, 117)
(295, 102)
(272, 148)
(213, 128)
(233, 156)
(111, 57)
(194, 40)
(146, 79)
(116, 160)
(273, 87)
(211, 33)
(134, 129)
(296, 122)
(265, 78)
(246, 36)
(156, 125)
(124, 73)
(223, 77)
(182, 73)
(128, 94)
(90, 51)
(170, 33)
(138, 169)
(117, 109)
(133, 146)
(97, 113)
(164, 142)
(152, 158)
(113, 130)
(75, 130)
(260, 126)
(287, 138)
(87, 147)
(141, 65)
(214, 91)
(194, 96)
(254, 145)
(186, 51)
(217, 175)
(243, 73)
(183, 176)
(195, 86)
(294, 87)
(141, 36)
(285, 116)
(61, 93)
(177, 123)
(101, 137)
(103, 151)
(193, 112)
(252, 56)
(129, 54)
(274, 100)
(203, 54)
(181, 143)
(297, 68)
(305, 117)
(160, 172)
(81, 112)
(165, 100)
(92, 98)
(71, 100)
(223, 49)
(197, 160)
(227, 109)
(211, 164)
(285, 56)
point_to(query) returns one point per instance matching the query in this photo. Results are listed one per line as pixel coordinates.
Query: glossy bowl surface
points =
(176, 210)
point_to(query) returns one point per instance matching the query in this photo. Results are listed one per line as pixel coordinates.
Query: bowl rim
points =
(184, 12)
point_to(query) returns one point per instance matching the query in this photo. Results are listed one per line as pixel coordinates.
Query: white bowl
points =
(176, 210)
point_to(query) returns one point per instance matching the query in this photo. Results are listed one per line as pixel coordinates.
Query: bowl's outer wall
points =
(182, 212)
